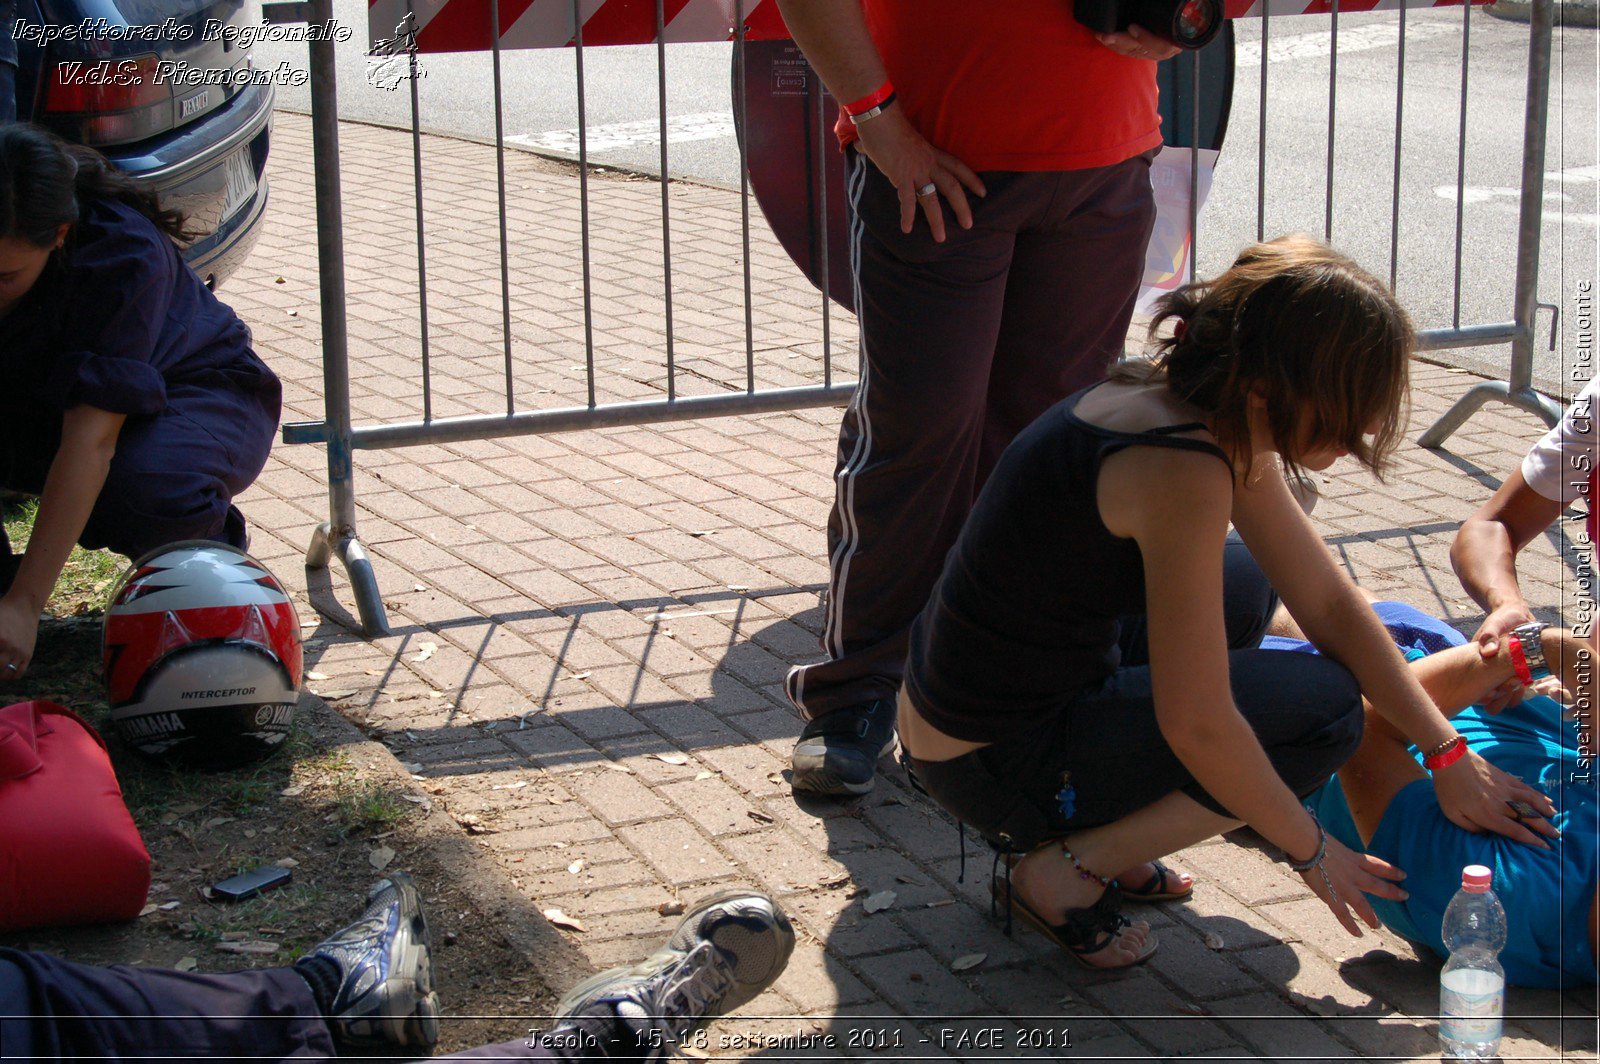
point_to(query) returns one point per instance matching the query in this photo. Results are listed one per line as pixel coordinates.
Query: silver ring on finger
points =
(1522, 810)
(927, 190)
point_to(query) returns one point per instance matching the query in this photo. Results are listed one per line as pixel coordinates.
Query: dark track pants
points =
(963, 344)
(53, 1009)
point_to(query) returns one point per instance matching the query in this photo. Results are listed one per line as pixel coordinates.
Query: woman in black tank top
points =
(1083, 687)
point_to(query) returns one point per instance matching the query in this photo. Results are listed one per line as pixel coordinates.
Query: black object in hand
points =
(1185, 23)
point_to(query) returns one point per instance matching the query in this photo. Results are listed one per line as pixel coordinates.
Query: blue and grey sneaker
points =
(374, 979)
(726, 950)
(838, 752)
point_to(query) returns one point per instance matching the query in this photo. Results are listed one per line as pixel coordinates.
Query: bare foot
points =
(1048, 884)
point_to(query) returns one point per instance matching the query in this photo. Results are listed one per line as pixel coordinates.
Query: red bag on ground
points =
(69, 850)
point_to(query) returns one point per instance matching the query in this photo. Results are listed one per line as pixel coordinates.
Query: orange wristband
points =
(876, 98)
(1451, 752)
(1519, 660)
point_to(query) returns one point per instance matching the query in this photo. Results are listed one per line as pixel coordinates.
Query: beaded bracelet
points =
(1084, 873)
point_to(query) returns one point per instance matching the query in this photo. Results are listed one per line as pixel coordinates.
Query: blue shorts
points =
(1547, 894)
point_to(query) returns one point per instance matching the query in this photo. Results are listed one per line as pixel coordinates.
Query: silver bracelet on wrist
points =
(1316, 858)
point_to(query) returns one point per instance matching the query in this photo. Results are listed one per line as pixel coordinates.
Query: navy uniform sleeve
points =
(121, 283)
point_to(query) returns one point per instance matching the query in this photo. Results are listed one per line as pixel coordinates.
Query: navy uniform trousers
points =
(56, 1009)
(173, 477)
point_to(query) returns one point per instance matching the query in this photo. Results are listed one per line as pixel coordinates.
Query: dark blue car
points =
(166, 90)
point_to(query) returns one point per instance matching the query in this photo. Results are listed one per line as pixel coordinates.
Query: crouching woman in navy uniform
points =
(130, 400)
(1084, 686)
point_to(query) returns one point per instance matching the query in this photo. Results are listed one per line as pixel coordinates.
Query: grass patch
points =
(87, 578)
(364, 805)
(157, 793)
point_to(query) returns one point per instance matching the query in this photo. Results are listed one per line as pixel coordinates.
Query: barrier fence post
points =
(337, 536)
(1517, 388)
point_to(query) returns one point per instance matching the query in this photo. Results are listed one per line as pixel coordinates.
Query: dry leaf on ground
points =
(561, 919)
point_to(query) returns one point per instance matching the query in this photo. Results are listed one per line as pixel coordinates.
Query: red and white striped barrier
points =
(463, 25)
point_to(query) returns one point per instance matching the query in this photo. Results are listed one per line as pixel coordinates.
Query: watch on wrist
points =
(1531, 635)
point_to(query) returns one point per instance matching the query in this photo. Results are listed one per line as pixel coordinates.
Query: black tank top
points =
(1024, 616)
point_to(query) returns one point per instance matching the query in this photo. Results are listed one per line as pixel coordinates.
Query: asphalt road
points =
(455, 96)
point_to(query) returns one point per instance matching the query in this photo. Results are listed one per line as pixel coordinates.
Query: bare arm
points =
(834, 36)
(1335, 616)
(77, 473)
(1455, 679)
(1484, 554)
(1175, 506)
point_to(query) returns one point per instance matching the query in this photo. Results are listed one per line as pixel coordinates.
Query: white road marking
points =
(621, 135)
(1506, 197)
(1299, 47)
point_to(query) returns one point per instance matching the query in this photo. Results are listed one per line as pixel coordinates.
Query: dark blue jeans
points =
(1101, 756)
(55, 1009)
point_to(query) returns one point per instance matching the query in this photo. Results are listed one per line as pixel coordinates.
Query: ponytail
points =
(44, 182)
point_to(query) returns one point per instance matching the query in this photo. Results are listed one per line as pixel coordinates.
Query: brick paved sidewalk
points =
(590, 632)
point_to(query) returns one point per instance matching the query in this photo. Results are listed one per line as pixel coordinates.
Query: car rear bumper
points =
(189, 170)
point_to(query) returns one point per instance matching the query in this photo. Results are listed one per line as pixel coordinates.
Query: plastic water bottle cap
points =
(1476, 878)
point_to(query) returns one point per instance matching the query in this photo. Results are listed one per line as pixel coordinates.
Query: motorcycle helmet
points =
(202, 657)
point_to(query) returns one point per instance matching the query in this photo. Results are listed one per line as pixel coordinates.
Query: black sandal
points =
(1155, 888)
(1085, 932)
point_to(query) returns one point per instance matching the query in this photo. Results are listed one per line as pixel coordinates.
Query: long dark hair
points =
(44, 181)
(1322, 341)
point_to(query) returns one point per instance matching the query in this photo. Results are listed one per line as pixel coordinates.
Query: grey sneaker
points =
(838, 752)
(384, 994)
(726, 950)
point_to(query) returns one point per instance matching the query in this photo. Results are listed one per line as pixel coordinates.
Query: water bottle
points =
(1472, 987)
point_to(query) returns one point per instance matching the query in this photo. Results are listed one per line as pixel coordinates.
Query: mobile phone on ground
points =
(249, 884)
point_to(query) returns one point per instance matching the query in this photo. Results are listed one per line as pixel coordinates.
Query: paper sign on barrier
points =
(1166, 259)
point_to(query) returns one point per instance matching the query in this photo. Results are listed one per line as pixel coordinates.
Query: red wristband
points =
(1446, 757)
(870, 100)
(1519, 660)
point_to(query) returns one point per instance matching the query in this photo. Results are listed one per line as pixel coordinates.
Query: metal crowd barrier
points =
(338, 538)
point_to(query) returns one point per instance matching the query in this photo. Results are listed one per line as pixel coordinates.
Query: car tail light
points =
(108, 101)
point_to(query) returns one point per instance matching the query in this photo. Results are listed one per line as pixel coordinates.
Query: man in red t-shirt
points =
(1000, 205)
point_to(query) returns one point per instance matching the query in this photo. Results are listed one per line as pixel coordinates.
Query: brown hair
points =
(1320, 339)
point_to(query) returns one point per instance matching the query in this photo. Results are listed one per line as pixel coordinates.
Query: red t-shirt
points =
(1019, 85)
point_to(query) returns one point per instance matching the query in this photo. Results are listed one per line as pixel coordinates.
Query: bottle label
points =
(1471, 1004)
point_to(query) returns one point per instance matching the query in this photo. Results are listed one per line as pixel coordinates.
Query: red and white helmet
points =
(202, 656)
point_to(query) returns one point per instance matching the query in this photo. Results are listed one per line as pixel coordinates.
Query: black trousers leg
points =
(55, 1008)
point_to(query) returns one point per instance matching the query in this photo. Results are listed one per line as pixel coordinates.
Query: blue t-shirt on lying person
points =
(1547, 894)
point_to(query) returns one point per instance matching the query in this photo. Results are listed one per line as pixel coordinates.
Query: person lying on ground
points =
(1083, 687)
(369, 989)
(132, 403)
(1381, 802)
(1558, 472)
